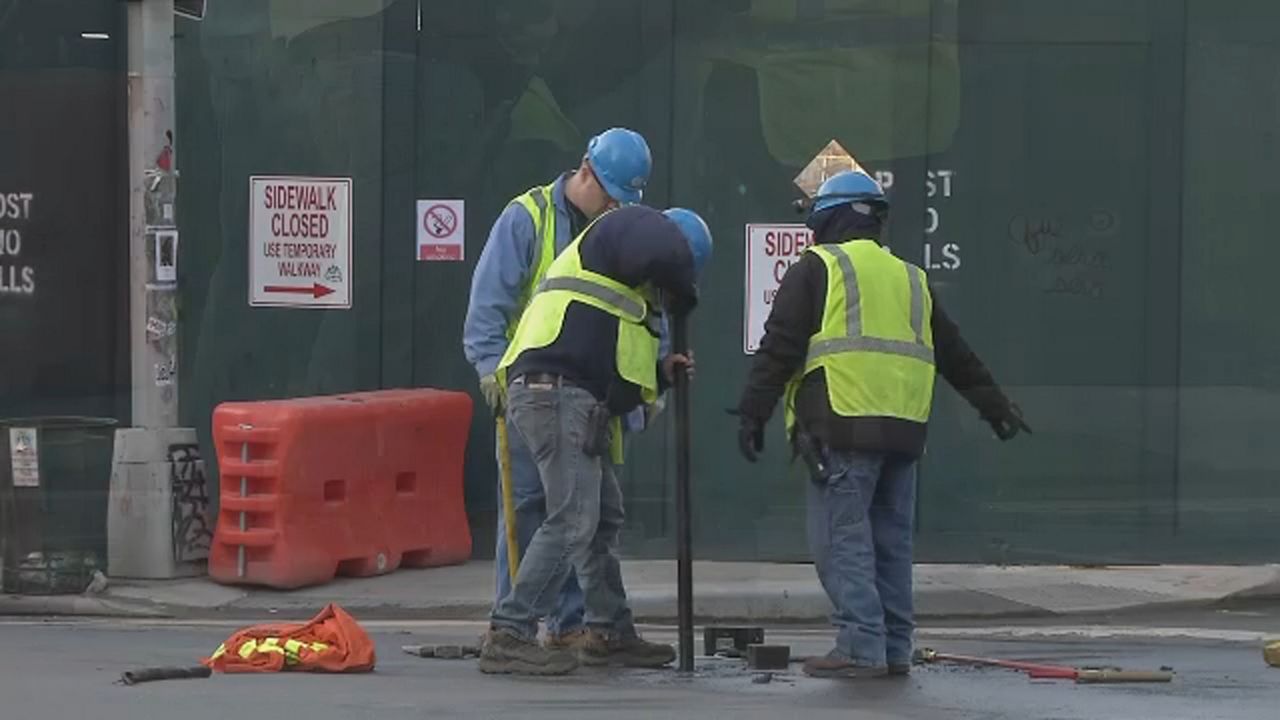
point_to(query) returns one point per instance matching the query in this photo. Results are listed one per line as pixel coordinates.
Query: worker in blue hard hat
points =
(585, 353)
(533, 229)
(852, 345)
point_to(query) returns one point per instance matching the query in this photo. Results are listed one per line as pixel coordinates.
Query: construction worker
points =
(585, 353)
(533, 229)
(852, 343)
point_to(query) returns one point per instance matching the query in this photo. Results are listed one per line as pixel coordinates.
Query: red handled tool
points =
(1040, 671)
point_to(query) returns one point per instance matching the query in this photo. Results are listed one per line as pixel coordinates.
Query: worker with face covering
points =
(852, 345)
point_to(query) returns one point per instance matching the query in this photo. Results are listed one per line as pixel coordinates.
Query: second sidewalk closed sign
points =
(300, 242)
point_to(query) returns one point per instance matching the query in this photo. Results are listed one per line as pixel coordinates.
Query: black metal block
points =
(717, 639)
(768, 657)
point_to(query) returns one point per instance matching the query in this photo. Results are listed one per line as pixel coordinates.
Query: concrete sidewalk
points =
(724, 591)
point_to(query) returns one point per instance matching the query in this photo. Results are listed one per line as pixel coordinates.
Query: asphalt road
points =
(65, 670)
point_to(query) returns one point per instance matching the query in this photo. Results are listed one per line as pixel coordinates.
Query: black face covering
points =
(577, 219)
(842, 223)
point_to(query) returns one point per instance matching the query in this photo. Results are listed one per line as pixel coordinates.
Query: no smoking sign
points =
(441, 230)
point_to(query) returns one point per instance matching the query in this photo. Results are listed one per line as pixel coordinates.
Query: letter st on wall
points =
(17, 275)
(300, 242)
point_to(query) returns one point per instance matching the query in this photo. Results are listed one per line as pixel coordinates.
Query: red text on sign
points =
(300, 225)
(788, 246)
(300, 197)
(786, 242)
(299, 250)
(290, 268)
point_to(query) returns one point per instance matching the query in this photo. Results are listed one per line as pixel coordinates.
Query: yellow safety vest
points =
(539, 201)
(875, 343)
(567, 281)
(290, 649)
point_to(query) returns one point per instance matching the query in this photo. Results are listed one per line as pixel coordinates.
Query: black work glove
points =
(750, 437)
(1009, 423)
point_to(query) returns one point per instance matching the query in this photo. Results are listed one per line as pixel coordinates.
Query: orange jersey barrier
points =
(352, 485)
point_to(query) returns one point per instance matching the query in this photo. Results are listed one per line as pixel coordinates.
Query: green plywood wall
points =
(1102, 234)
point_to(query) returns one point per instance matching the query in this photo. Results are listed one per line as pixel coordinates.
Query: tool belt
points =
(814, 454)
(537, 378)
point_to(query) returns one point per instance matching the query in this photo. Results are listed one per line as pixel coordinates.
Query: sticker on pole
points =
(300, 242)
(24, 449)
(771, 249)
(441, 230)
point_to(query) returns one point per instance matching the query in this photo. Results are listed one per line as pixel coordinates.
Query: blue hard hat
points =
(621, 161)
(695, 232)
(849, 186)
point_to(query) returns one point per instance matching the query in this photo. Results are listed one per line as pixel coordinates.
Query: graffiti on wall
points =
(1073, 255)
(192, 532)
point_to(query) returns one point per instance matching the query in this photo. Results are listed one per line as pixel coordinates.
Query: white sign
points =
(440, 230)
(829, 161)
(24, 449)
(166, 256)
(194, 9)
(300, 242)
(771, 249)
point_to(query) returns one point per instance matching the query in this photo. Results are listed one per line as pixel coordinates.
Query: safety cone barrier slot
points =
(357, 485)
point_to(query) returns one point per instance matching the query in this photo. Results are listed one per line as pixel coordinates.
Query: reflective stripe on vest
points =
(539, 202)
(854, 340)
(291, 650)
(627, 306)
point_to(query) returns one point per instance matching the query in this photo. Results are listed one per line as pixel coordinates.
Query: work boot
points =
(505, 652)
(835, 665)
(899, 669)
(600, 650)
(571, 641)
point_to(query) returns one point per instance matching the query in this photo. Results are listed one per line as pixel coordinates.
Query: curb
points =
(648, 610)
(774, 605)
(1267, 591)
(73, 606)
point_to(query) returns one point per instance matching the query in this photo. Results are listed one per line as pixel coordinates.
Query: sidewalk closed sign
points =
(771, 249)
(300, 242)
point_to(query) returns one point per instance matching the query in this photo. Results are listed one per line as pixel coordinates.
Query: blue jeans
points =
(584, 516)
(531, 510)
(860, 534)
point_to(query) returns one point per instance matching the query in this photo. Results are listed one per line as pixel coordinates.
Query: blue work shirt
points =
(502, 274)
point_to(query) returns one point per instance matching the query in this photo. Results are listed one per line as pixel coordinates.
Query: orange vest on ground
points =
(330, 642)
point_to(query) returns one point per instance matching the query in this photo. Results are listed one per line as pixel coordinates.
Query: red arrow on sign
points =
(315, 291)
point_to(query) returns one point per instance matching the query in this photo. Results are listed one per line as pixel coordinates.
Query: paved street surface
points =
(64, 670)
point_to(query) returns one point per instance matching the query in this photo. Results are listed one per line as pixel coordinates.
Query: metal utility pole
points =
(153, 231)
(684, 520)
(140, 539)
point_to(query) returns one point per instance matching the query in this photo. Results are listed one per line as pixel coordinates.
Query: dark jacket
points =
(797, 315)
(632, 245)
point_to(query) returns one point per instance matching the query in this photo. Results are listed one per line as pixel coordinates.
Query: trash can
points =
(55, 474)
